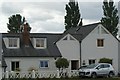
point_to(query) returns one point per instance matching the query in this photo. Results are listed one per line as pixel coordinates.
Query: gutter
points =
(80, 53)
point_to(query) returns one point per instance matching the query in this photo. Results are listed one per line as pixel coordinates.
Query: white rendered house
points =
(83, 44)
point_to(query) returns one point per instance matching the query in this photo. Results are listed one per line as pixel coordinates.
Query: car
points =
(118, 74)
(82, 67)
(95, 70)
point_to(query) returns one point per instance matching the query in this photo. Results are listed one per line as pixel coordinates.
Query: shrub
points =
(105, 60)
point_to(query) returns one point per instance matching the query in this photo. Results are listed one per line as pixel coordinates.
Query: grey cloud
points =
(9, 8)
(47, 27)
(39, 18)
(91, 10)
(53, 6)
(40, 14)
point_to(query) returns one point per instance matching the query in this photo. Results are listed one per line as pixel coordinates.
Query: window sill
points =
(44, 67)
(100, 47)
(13, 47)
(40, 47)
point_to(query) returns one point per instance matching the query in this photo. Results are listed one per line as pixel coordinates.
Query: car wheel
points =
(94, 75)
(111, 74)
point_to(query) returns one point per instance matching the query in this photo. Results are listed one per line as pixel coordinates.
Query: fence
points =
(41, 74)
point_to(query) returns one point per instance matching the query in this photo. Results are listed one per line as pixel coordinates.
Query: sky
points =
(47, 16)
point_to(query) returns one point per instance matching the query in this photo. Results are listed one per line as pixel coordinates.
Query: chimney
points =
(25, 34)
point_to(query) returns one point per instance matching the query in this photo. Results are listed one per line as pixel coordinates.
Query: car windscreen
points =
(82, 67)
(91, 66)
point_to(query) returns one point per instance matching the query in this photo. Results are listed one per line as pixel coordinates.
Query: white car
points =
(100, 69)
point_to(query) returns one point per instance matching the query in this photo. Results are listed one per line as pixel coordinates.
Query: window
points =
(43, 64)
(66, 38)
(100, 42)
(101, 66)
(106, 65)
(91, 61)
(71, 38)
(14, 65)
(12, 42)
(74, 64)
(40, 42)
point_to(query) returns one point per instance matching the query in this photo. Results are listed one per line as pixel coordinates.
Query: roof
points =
(80, 32)
(50, 51)
(3, 62)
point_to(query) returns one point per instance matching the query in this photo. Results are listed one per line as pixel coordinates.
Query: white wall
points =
(0, 70)
(119, 56)
(70, 49)
(0, 56)
(27, 62)
(91, 51)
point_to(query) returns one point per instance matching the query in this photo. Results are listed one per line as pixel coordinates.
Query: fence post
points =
(6, 74)
(33, 74)
(58, 74)
(69, 73)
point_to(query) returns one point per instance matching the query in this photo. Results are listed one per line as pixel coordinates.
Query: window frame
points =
(68, 38)
(44, 64)
(92, 61)
(12, 42)
(100, 43)
(39, 43)
(15, 65)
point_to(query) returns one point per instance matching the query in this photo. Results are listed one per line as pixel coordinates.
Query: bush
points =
(62, 63)
(105, 60)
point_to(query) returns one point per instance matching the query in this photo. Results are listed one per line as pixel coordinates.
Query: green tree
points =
(62, 63)
(110, 19)
(15, 21)
(105, 60)
(72, 18)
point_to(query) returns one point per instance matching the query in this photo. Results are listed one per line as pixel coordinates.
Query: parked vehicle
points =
(82, 67)
(118, 74)
(100, 69)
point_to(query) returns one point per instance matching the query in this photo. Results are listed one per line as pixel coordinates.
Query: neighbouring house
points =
(39, 51)
(88, 44)
(25, 52)
(0, 56)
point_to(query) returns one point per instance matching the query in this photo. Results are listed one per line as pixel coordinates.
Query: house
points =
(39, 51)
(88, 44)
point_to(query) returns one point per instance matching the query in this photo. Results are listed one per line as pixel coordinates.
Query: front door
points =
(74, 64)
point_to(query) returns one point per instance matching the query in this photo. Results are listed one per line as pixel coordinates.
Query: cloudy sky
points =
(46, 16)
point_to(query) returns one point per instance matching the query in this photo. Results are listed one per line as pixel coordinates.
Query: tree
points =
(15, 21)
(62, 63)
(110, 19)
(72, 18)
(105, 60)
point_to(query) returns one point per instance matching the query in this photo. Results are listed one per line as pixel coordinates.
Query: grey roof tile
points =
(50, 51)
(80, 32)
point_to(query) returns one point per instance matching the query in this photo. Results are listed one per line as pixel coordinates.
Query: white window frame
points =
(39, 44)
(13, 42)
(100, 46)
(68, 37)
(44, 64)
(11, 64)
(92, 60)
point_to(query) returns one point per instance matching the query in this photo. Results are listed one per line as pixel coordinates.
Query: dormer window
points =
(13, 42)
(40, 43)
